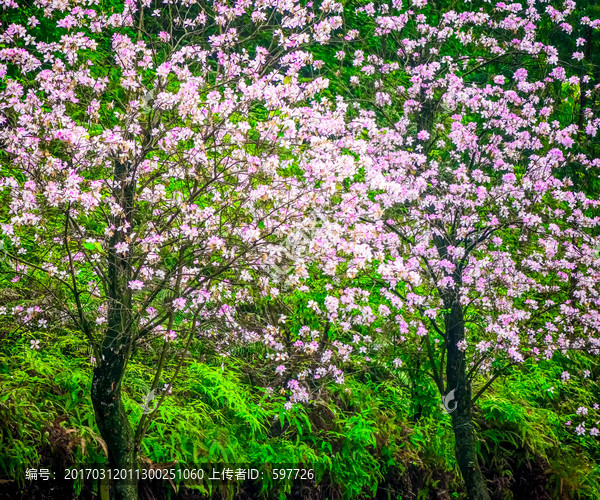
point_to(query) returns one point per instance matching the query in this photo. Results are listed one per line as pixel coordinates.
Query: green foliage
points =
(362, 438)
(523, 430)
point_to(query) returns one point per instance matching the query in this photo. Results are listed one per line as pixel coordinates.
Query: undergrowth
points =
(362, 438)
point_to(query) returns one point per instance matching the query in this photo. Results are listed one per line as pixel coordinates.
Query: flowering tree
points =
(463, 213)
(149, 168)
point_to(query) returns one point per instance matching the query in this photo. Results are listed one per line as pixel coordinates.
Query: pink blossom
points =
(179, 304)
(136, 285)
(122, 247)
(170, 336)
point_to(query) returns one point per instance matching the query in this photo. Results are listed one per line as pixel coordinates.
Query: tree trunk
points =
(113, 423)
(462, 424)
(111, 418)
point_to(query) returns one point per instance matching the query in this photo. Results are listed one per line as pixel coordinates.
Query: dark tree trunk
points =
(425, 120)
(462, 422)
(113, 423)
(111, 418)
